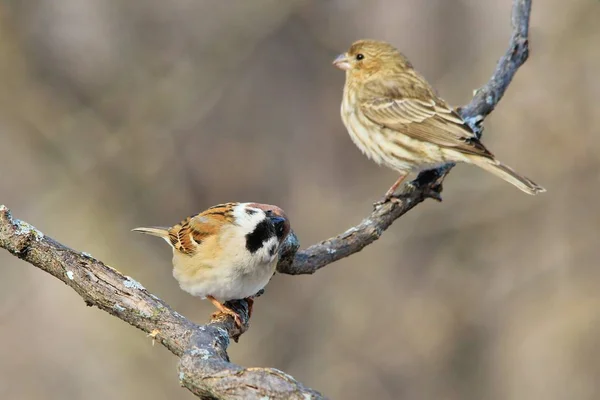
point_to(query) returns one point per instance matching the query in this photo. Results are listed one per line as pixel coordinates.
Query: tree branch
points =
(428, 183)
(204, 366)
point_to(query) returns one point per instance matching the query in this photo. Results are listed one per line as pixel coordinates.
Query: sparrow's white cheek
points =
(268, 252)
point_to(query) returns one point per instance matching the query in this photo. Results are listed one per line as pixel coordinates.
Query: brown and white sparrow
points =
(395, 117)
(227, 252)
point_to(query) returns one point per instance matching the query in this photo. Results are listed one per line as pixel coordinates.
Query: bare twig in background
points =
(204, 367)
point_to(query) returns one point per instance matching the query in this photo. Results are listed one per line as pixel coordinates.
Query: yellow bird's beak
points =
(342, 62)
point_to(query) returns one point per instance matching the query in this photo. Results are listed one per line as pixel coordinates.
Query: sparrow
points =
(396, 118)
(227, 252)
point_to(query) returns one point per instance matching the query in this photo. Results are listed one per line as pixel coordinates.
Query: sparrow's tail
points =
(508, 174)
(159, 231)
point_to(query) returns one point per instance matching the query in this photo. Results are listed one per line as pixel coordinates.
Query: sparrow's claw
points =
(225, 310)
(236, 317)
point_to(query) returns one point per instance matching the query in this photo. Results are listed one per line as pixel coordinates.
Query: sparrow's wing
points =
(408, 105)
(188, 235)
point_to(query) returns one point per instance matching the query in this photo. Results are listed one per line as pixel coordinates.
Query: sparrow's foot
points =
(226, 310)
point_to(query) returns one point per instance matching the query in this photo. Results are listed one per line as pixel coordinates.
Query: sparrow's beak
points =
(342, 62)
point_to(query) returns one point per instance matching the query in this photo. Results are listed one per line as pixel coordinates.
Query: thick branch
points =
(371, 228)
(204, 367)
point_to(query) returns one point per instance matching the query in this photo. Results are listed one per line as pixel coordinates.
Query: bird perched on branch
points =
(227, 252)
(395, 117)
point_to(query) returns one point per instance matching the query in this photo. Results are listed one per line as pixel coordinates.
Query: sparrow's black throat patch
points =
(263, 232)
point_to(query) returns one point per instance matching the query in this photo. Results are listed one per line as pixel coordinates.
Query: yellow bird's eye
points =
(359, 56)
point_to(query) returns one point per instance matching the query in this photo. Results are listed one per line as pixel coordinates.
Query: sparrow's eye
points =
(360, 56)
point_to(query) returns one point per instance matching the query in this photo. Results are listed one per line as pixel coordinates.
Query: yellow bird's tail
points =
(508, 174)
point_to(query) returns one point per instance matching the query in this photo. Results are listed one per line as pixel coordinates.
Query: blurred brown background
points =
(118, 114)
